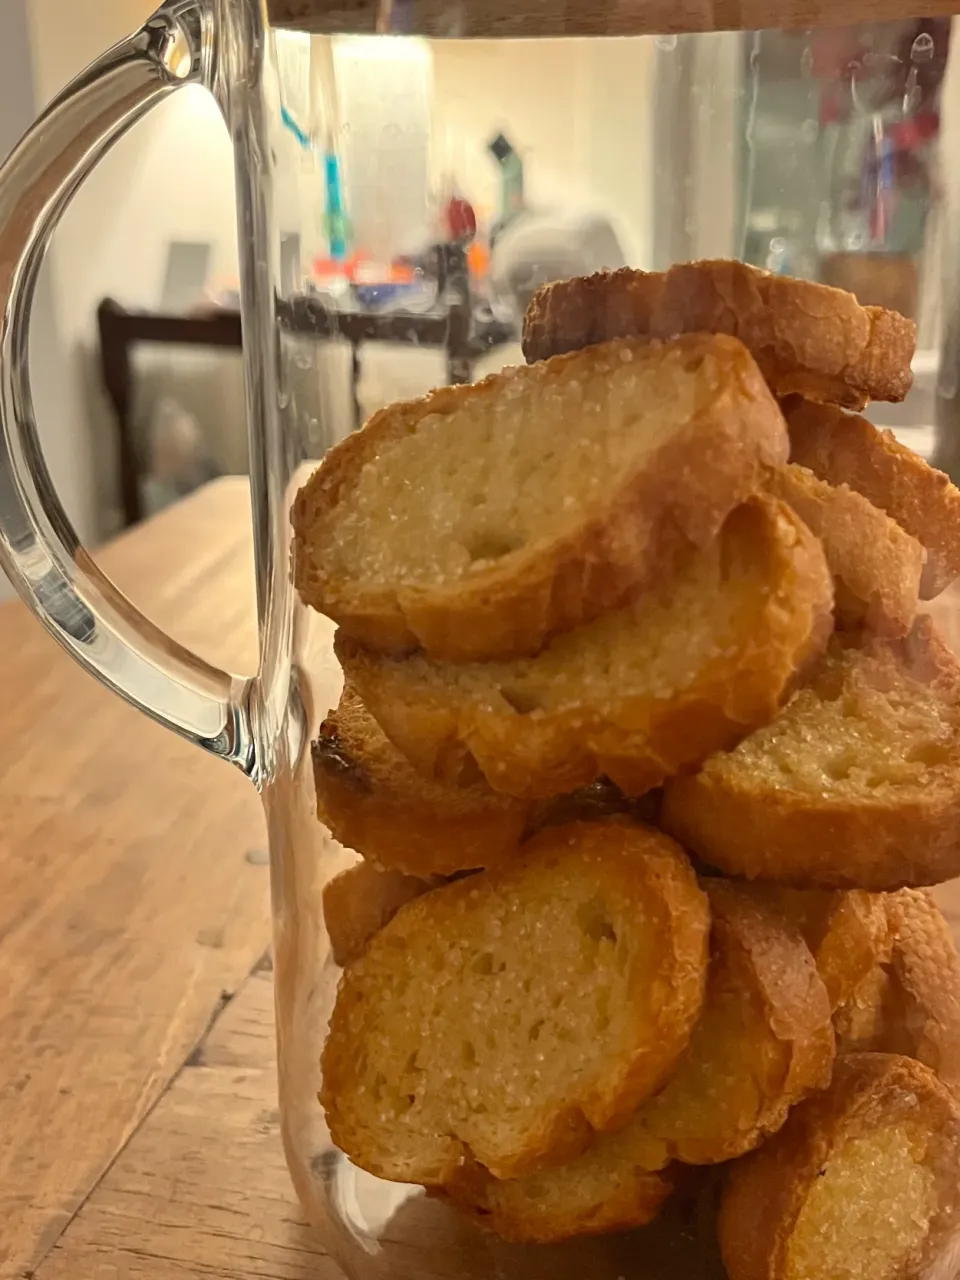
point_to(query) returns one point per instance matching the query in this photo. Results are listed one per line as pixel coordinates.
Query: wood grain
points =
(501, 18)
(133, 890)
(202, 1189)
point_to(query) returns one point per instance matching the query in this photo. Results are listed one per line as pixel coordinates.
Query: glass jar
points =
(408, 173)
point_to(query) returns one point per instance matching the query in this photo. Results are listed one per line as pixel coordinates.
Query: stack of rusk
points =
(649, 751)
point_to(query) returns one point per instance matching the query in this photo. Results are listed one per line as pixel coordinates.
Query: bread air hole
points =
(594, 920)
(486, 546)
(930, 753)
(521, 700)
(485, 965)
(603, 1011)
(840, 768)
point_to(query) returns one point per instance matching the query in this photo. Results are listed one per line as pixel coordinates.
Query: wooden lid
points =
(505, 18)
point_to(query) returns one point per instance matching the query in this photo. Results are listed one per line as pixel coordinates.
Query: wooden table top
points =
(139, 1134)
(135, 997)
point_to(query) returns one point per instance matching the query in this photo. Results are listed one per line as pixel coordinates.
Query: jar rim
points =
(491, 19)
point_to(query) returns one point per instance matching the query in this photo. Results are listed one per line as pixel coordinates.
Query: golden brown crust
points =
(925, 970)
(876, 566)
(749, 814)
(521, 1211)
(680, 493)
(910, 1002)
(807, 338)
(358, 902)
(449, 719)
(842, 447)
(767, 1191)
(764, 983)
(373, 801)
(847, 931)
(763, 1042)
(446, 1044)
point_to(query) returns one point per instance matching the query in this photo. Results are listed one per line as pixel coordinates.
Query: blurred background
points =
(459, 175)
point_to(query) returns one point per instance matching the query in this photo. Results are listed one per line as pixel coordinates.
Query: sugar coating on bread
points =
(860, 1184)
(806, 337)
(375, 802)
(482, 519)
(763, 1041)
(845, 448)
(875, 564)
(854, 783)
(636, 694)
(837, 1211)
(506, 1017)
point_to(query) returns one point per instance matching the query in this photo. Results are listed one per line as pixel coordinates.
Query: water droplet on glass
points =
(806, 63)
(922, 49)
(666, 43)
(810, 130)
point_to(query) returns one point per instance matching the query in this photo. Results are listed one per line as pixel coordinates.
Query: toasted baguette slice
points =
(860, 1184)
(847, 930)
(842, 447)
(506, 1017)
(807, 338)
(856, 783)
(358, 902)
(483, 519)
(876, 566)
(637, 694)
(375, 802)
(763, 1041)
(559, 1204)
(910, 1003)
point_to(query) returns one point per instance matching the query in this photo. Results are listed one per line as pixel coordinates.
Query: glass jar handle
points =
(75, 601)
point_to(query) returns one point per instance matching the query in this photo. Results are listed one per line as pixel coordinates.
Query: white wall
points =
(170, 178)
(578, 111)
(55, 386)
